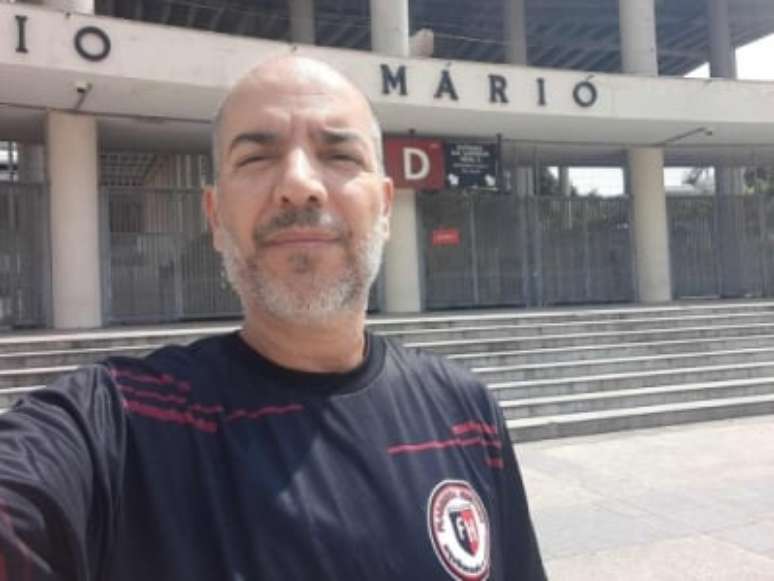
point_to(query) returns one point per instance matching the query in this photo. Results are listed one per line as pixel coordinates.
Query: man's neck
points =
(333, 345)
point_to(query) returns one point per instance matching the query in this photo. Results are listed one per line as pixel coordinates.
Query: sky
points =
(754, 61)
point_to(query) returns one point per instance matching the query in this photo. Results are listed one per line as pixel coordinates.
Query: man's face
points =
(301, 209)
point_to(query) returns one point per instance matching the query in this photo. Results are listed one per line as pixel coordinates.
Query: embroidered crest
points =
(459, 529)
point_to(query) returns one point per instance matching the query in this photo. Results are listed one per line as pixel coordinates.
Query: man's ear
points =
(212, 212)
(388, 195)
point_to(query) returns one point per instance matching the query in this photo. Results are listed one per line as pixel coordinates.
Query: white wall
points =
(136, 79)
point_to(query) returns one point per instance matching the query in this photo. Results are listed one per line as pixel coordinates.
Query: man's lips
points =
(301, 237)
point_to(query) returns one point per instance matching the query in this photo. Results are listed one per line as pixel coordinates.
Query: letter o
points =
(585, 94)
(100, 34)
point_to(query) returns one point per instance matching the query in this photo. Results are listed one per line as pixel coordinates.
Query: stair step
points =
(557, 314)
(581, 424)
(610, 350)
(10, 378)
(57, 357)
(514, 329)
(555, 372)
(573, 340)
(566, 369)
(613, 381)
(9, 395)
(643, 396)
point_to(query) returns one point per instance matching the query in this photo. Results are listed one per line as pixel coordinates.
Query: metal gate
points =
(483, 249)
(24, 256)
(582, 250)
(159, 261)
(722, 245)
(472, 250)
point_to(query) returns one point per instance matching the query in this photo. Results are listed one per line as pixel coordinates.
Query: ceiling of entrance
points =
(569, 34)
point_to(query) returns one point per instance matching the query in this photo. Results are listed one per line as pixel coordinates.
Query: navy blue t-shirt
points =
(211, 463)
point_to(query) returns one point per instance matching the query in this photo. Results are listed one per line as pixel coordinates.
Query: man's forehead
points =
(278, 103)
(299, 79)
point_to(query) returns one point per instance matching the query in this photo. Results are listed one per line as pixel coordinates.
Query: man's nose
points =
(300, 183)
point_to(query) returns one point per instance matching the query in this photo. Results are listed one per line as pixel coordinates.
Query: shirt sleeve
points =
(519, 543)
(61, 462)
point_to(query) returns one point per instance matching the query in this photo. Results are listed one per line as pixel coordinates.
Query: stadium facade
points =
(105, 112)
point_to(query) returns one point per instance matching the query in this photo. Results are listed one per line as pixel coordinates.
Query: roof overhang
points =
(159, 86)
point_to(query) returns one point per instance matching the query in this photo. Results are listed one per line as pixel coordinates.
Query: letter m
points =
(392, 81)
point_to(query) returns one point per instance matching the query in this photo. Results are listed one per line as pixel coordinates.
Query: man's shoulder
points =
(423, 360)
(197, 354)
(172, 366)
(436, 372)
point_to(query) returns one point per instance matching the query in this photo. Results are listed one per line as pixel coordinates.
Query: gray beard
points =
(313, 296)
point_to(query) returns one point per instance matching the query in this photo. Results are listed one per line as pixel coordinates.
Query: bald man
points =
(301, 446)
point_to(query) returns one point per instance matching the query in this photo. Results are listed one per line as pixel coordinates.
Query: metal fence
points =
(24, 256)
(478, 249)
(484, 249)
(159, 264)
(722, 245)
(583, 250)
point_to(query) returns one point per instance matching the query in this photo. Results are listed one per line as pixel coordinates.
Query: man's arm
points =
(61, 459)
(519, 543)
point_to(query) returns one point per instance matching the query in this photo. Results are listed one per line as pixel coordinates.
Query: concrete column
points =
(422, 43)
(565, 186)
(728, 180)
(515, 35)
(722, 56)
(639, 55)
(525, 182)
(32, 164)
(79, 6)
(722, 61)
(401, 259)
(651, 236)
(390, 27)
(301, 21)
(637, 23)
(390, 36)
(75, 261)
(515, 22)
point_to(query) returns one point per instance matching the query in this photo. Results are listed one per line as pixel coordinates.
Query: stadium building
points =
(487, 108)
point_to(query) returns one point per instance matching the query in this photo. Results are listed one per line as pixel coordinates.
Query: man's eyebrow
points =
(337, 136)
(253, 137)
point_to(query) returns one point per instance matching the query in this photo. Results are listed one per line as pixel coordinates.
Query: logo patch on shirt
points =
(459, 529)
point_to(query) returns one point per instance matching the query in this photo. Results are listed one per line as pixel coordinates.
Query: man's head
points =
(300, 205)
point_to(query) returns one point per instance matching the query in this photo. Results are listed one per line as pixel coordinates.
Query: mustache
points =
(310, 217)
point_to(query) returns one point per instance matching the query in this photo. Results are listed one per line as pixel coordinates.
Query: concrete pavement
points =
(684, 503)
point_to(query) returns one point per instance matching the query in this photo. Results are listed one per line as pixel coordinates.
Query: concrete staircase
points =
(556, 372)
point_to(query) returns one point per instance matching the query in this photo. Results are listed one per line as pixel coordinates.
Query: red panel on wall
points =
(446, 237)
(415, 163)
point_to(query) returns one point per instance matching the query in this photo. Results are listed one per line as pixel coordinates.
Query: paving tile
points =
(757, 537)
(689, 559)
(699, 494)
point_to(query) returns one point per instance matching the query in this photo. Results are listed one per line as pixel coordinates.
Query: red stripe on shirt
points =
(206, 409)
(473, 426)
(151, 394)
(441, 444)
(270, 410)
(163, 379)
(170, 416)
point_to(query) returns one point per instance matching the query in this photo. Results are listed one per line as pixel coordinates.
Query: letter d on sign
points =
(409, 155)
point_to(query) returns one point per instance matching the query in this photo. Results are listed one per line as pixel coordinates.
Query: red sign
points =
(446, 237)
(415, 163)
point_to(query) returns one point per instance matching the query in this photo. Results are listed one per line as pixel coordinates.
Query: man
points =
(300, 447)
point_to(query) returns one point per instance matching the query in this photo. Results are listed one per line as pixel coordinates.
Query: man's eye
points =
(348, 157)
(251, 159)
